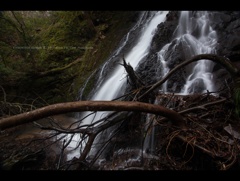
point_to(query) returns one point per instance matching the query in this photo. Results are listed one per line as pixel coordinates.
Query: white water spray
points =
(116, 82)
(195, 36)
(205, 43)
(200, 76)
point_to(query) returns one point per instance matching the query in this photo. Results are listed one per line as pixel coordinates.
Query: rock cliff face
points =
(164, 32)
(227, 26)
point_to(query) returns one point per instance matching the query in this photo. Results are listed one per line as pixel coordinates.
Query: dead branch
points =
(55, 70)
(78, 106)
(199, 107)
(132, 75)
(203, 107)
(233, 70)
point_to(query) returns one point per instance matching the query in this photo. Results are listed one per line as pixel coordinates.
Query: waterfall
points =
(115, 84)
(105, 69)
(193, 36)
(201, 78)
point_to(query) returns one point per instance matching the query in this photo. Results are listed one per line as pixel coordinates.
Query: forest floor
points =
(209, 142)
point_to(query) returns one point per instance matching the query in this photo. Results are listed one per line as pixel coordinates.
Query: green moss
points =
(60, 39)
(5, 71)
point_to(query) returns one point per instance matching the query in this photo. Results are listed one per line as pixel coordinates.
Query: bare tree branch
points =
(55, 70)
(77, 106)
(233, 70)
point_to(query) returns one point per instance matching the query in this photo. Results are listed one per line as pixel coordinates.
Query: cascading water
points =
(105, 69)
(109, 92)
(205, 43)
(139, 51)
(194, 36)
(116, 83)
